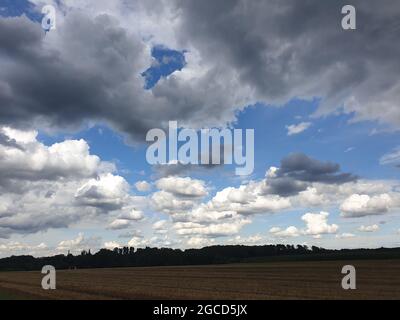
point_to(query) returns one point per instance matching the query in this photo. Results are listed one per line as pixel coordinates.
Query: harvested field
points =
(284, 280)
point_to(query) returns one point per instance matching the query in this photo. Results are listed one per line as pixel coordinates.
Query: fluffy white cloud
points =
(183, 187)
(224, 214)
(177, 195)
(44, 187)
(166, 202)
(365, 205)
(247, 200)
(107, 192)
(317, 224)
(23, 157)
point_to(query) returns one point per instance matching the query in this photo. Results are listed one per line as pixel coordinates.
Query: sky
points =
(78, 101)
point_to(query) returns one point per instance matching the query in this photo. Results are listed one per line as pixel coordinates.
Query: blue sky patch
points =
(16, 8)
(166, 62)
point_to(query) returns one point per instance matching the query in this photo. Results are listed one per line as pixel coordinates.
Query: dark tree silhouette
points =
(129, 257)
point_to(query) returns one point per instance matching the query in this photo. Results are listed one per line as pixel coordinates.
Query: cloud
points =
(250, 240)
(177, 194)
(231, 208)
(289, 232)
(391, 158)
(267, 51)
(131, 234)
(160, 227)
(18, 248)
(227, 68)
(371, 228)
(263, 58)
(222, 229)
(344, 236)
(298, 128)
(303, 168)
(133, 215)
(119, 224)
(183, 187)
(105, 83)
(168, 203)
(6, 141)
(298, 172)
(199, 242)
(143, 186)
(247, 200)
(32, 160)
(284, 186)
(138, 242)
(364, 205)
(107, 192)
(111, 245)
(45, 187)
(79, 244)
(317, 224)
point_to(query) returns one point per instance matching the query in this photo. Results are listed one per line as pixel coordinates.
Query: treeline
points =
(129, 257)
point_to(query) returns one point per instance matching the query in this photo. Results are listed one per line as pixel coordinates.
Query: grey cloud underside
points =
(29, 225)
(179, 169)
(53, 86)
(92, 72)
(258, 51)
(286, 49)
(301, 167)
(298, 171)
(284, 186)
(130, 235)
(7, 142)
(89, 69)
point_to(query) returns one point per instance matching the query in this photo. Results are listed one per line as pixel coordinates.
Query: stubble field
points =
(281, 280)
